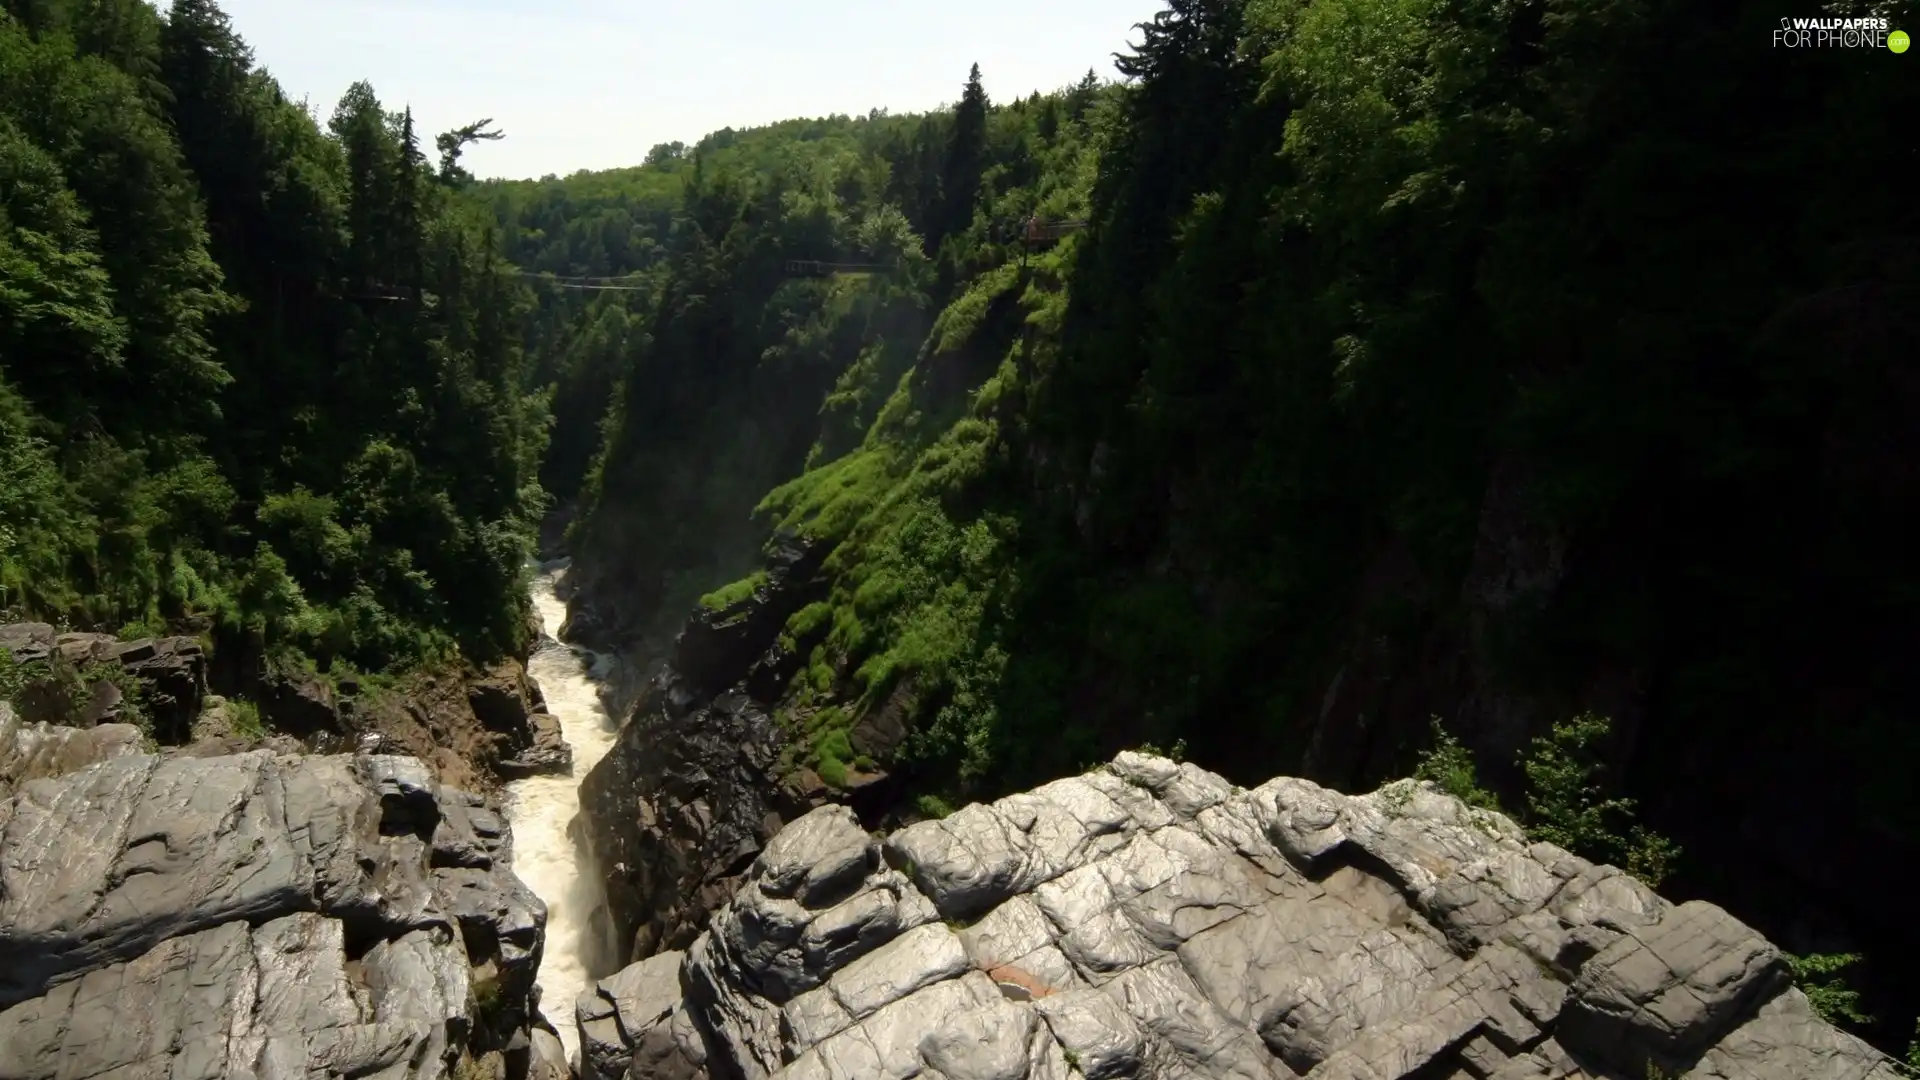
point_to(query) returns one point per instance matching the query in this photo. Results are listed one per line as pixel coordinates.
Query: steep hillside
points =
(1499, 362)
(261, 381)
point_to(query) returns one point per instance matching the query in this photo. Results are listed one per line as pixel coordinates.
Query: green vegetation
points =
(254, 371)
(1820, 976)
(1450, 767)
(244, 717)
(84, 684)
(728, 595)
(13, 676)
(486, 997)
(831, 751)
(1566, 806)
(1176, 752)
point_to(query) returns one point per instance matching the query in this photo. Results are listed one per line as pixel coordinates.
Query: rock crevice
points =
(681, 805)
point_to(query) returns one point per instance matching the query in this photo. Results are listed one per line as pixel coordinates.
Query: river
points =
(541, 807)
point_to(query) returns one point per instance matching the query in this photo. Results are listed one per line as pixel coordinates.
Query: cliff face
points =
(678, 809)
(253, 915)
(1149, 919)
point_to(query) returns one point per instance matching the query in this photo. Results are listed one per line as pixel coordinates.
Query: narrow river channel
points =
(541, 807)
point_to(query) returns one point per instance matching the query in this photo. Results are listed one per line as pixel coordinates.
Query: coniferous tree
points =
(965, 158)
(452, 143)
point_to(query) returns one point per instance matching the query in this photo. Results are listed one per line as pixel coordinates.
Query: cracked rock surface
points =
(1149, 920)
(257, 915)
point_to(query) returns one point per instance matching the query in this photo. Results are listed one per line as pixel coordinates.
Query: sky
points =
(592, 84)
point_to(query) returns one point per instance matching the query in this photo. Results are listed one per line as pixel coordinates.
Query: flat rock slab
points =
(1667, 992)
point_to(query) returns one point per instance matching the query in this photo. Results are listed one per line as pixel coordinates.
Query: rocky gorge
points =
(1145, 919)
(282, 913)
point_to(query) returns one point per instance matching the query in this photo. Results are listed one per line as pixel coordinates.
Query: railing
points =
(1040, 232)
(820, 268)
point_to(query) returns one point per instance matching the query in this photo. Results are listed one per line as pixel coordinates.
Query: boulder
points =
(37, 751)
(28, 642)
(549, 1057)
(173, 679)
(548, 751)
(474, 728)
(300, 703)
(1670, 990)
(1149, 920)
(258, 914)
(625, 1015)
(171, 673)
(502, 699)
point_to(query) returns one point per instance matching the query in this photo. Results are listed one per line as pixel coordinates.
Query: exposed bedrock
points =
(1150, 920)
(254, 915)
(171, 672)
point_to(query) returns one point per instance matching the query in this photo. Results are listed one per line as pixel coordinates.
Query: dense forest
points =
(260, 377)
(1499, 361)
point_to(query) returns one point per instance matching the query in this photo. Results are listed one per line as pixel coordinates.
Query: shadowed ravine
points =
(541, 807)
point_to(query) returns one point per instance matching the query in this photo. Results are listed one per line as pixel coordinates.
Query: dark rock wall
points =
(681, 805)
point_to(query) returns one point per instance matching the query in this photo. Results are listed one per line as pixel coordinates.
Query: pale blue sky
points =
(591, 84)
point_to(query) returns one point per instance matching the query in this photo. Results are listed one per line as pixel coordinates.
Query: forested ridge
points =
(1500, 361)
(260, 375)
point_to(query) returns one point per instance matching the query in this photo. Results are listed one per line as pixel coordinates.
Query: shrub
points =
(728, 595)
(1565, 805)
(831, 752)
(1449, 765)
(1820, 977)
(133, 706)
(13, 676)
(932, 806)
(244, 718)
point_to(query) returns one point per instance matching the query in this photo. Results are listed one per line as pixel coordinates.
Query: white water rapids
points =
(540, 808)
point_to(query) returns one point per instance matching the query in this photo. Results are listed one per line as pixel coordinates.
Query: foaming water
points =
(541, 807)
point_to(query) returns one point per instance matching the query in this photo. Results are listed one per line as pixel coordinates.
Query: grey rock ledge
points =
(1149, 920)
(259, 916)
